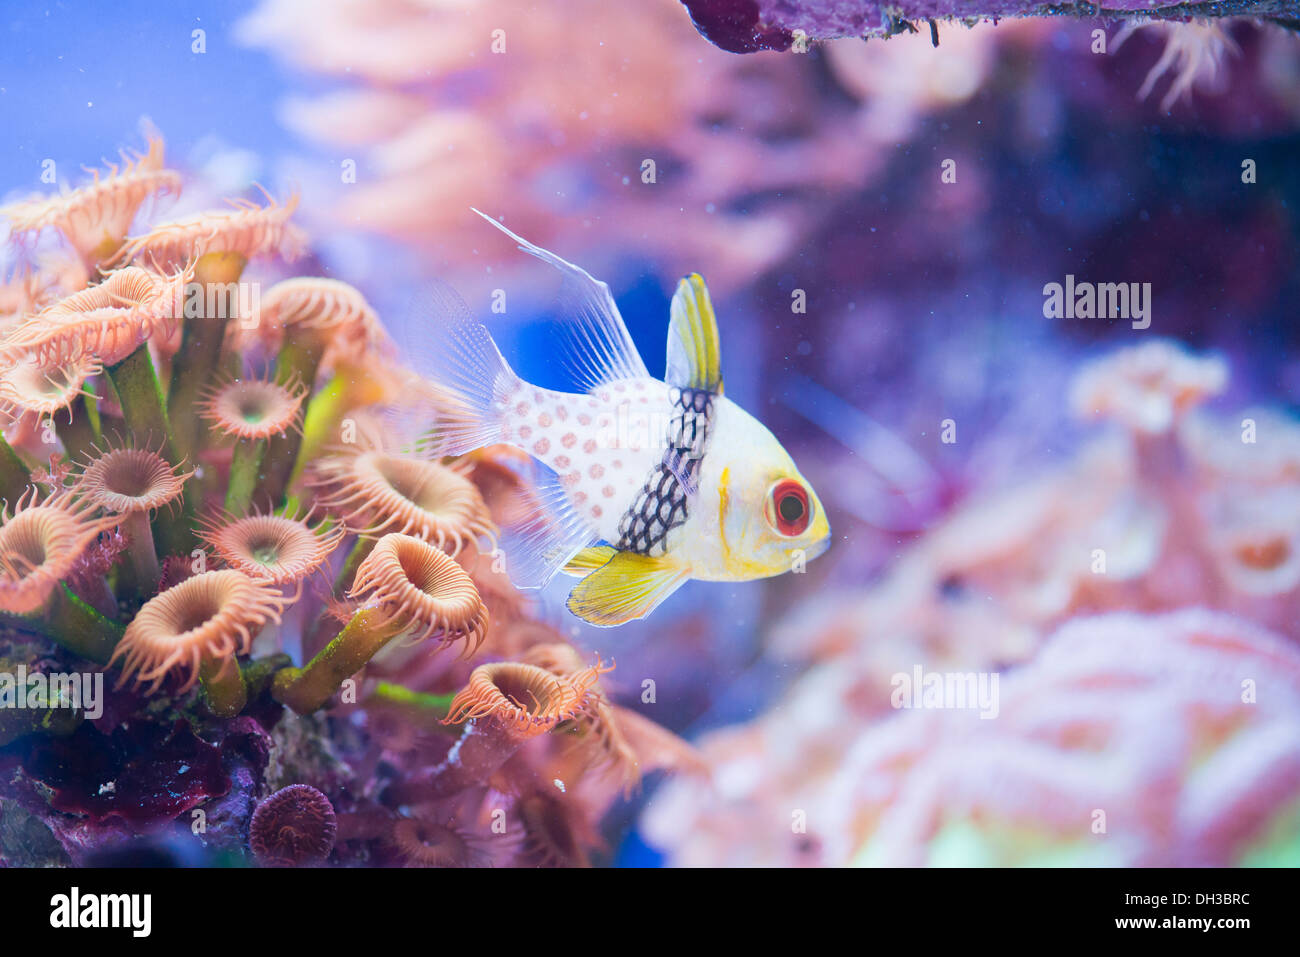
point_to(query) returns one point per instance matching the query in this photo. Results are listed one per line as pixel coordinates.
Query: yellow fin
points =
(588, 560)
(694, 358)
(626, 587)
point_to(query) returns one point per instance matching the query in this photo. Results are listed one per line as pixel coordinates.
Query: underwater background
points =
(1104, 517)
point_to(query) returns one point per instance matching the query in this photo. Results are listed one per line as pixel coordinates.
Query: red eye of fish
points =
(790, 512)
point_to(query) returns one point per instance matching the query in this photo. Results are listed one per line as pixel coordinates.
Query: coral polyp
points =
(294, 827)
(374, 492)
(197, 627)
(557, 833)
(280, 549)
(524, 699)
(253, 408)
(503, 706)
(1148, 388)
(245, 231)
(421, 590)
(132, 483)
(44, 387)
(426, 842)
(95, 218)
(129, 480)
(40, 542)
(106, 321)
(327, 317)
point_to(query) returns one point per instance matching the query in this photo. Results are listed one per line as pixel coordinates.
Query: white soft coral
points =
(1194, 51)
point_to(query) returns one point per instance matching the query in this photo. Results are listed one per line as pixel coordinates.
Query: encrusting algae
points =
(208, 497)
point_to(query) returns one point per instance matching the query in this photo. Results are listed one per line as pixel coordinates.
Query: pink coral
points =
(1181, 729)
(1130, 740)
(433, 109)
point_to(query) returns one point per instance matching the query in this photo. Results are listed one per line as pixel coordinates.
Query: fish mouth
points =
(817, 548)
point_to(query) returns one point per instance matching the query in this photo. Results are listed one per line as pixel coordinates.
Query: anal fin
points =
(549, 538)
(627, 587)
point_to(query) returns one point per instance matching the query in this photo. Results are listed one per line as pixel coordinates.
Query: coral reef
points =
(215, 498)
(280, 598)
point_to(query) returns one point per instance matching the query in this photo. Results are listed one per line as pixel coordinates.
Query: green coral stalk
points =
(308, 688)
(143, 406)
(198, 359)
(324, 413)
(259, 672)
(75, 625)
(53, 720)
(14, 476)
(78, 429)
(299, 359)
(140, 575)
(429, 709)
(145, 410)
(224, 689)
(362, 548)
(245, 474)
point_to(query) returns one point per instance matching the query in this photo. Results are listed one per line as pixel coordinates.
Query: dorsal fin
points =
(601, 347)
(694, 360)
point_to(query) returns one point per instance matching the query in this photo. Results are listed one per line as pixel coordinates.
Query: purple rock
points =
(140, 772)
(745, 26)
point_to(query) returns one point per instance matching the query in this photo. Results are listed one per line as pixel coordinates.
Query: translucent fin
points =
(588, 560)
(538, 548)
(600, 347)
(693, 353)
(458, 354)
(627, 587)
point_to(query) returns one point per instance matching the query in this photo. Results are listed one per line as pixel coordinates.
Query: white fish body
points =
(655, 481)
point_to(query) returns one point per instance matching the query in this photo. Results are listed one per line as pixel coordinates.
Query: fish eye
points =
(789, 511)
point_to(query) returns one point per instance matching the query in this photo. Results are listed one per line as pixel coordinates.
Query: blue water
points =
(79, 77)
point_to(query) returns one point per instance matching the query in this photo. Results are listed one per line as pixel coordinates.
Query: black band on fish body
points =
(663, 502)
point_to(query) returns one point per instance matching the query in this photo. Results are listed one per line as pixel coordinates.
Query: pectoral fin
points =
(626, 587)
(588, 560)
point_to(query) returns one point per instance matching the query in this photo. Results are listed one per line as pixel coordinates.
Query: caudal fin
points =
(477, 382)
(472, 378)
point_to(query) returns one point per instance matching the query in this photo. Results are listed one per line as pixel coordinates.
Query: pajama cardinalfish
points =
(654, 481)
